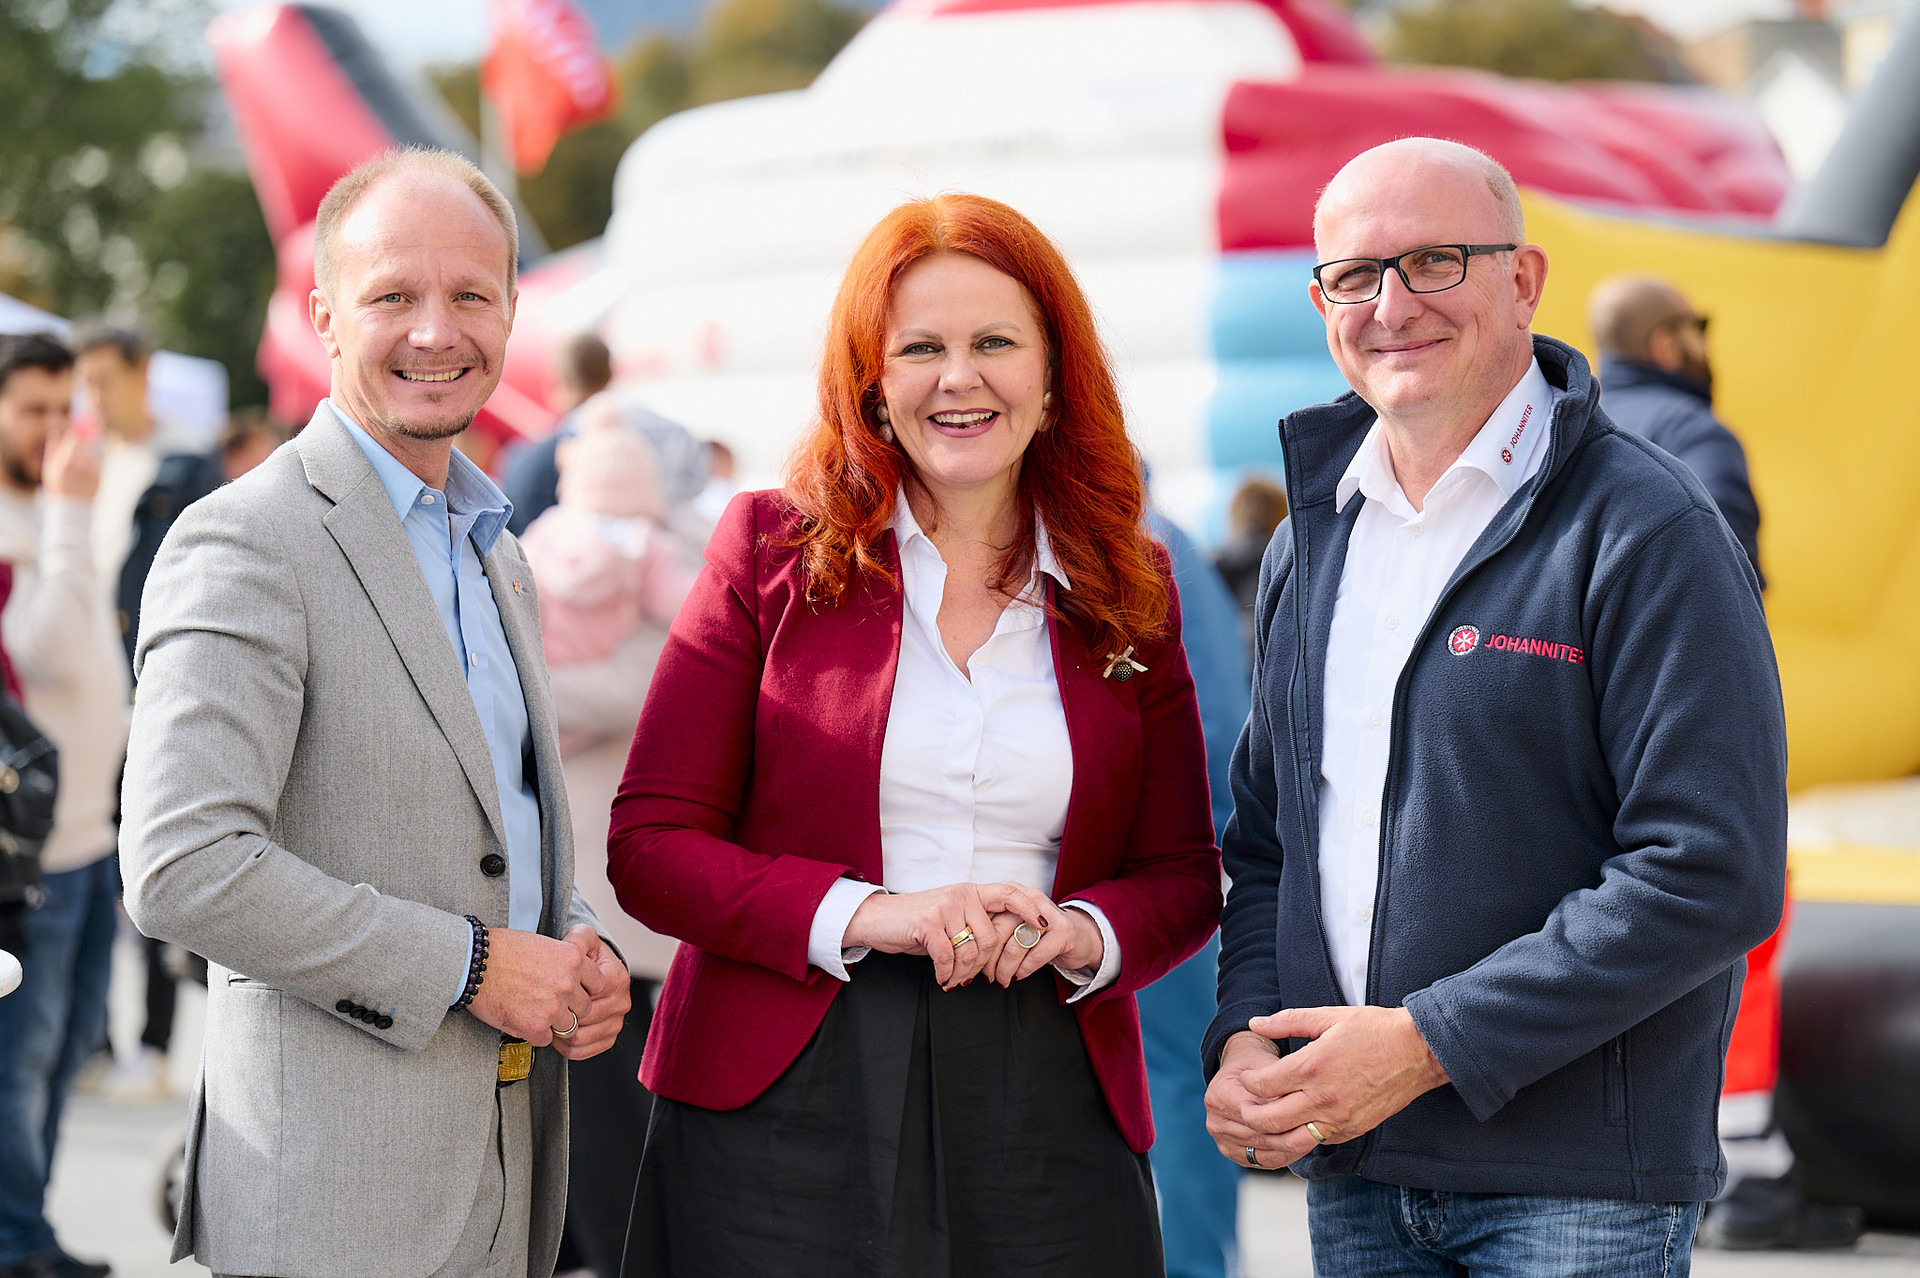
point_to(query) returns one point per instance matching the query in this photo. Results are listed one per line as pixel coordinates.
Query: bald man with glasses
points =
(1511, 803)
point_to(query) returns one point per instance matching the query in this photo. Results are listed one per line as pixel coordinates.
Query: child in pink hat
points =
(602, 559)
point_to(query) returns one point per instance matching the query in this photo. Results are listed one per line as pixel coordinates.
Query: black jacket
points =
(183, 478)
(1676, 413)
(1584, 824)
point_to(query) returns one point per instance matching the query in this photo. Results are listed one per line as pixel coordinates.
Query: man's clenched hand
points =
(612, 991)
(1364, 1065)
(535, 985)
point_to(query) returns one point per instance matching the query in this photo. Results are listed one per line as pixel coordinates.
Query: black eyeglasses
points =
(1695, 321)
(1433, 269)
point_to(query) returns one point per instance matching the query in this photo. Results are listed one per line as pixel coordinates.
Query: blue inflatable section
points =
(1271, 349)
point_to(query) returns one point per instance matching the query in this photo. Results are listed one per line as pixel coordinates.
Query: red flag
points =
(544, 75)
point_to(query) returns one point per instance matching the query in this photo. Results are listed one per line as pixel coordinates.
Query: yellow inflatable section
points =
(1811, 352)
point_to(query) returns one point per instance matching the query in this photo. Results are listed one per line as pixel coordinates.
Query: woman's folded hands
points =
(1003, 931)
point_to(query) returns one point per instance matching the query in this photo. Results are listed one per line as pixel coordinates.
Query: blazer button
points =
(344, 1006)
(493, 865)
(383, 1022)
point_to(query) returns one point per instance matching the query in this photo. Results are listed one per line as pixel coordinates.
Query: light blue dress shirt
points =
(449, 531)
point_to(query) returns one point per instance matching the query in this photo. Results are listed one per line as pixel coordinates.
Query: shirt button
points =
(1393, 623)
(1416, 530)
(426, 499)
(1376, 718)
(1369, 819)
(1363, 915)
(473, 658)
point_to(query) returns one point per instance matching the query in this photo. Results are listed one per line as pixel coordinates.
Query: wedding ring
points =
(1251, 1160)
(961, 937)
(568, 1031)
(1319, 1137)
(1026, 936)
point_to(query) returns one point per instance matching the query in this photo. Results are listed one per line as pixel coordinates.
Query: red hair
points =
(1081, 475)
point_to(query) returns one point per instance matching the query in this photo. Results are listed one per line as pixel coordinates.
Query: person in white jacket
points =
(66, 654)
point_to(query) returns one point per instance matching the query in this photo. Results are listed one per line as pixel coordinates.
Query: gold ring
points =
(1026, 936)
(960, 938)
(1319, 1138)
(568, 1031)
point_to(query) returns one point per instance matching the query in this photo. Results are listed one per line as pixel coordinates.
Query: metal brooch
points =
(1121, 666)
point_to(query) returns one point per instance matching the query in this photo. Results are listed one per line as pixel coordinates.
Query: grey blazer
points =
(308, 798)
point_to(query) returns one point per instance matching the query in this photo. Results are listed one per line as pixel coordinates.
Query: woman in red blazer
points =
(923, 730)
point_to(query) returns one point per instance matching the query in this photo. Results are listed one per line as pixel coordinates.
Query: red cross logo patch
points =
(1463, 641)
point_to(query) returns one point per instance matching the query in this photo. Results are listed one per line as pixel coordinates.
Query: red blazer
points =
(754, 783)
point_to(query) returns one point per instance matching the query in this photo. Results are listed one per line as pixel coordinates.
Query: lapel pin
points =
(1121, 666)
(516, 588)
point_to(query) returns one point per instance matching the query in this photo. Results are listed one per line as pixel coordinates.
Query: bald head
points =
(1625, 312)
(1427, 171)
(418, 168)
(1433, 362)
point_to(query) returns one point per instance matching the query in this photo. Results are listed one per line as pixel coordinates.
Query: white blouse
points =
(975, 772)
(1398, 561)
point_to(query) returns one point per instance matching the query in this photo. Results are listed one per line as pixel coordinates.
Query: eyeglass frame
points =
(1696, 321)
(1467, 253)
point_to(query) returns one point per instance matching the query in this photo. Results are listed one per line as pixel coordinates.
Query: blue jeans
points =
(1383, 1231)
(48, 1028)
(1199, 1190)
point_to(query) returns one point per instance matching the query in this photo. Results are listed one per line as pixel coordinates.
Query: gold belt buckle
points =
(516, 1059)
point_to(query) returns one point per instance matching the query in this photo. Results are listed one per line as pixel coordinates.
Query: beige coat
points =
(308, 799)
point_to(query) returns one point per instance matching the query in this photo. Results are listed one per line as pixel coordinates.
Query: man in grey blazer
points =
(344, 789)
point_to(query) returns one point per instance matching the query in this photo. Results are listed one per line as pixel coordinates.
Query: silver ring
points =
(1319, 1138)
(1251, 1160)
(568, 1031)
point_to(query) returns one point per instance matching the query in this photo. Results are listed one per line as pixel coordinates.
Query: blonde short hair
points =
(347, 192)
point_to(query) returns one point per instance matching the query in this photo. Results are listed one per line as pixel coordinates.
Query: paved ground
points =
(106, 1183)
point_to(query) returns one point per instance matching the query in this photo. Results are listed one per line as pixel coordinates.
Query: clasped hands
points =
(1364, 1065)
(536, 985)
(986, 916)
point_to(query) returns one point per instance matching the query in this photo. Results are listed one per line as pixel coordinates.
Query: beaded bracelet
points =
(476, 965)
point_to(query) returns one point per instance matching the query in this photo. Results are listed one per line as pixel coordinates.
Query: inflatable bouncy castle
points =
(1173, 148)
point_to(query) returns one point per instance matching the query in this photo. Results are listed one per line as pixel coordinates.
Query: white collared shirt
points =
(975, 772)
(1398, 561)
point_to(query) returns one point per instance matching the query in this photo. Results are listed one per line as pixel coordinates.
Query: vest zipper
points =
(1616, 1061)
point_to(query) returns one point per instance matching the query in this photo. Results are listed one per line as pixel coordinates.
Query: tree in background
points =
(103, 207)
(742, 47)
(213, 272)
(1545, 39)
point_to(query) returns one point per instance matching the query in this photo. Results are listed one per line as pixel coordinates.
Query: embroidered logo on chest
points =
(1536, 648)
(1463, 641)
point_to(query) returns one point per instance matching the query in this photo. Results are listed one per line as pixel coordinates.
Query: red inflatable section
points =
(301, 122)
(1637, 146)
(1320, 31)
(1753, 1054)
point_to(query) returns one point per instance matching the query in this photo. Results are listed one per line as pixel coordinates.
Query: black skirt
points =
(920, 1134)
